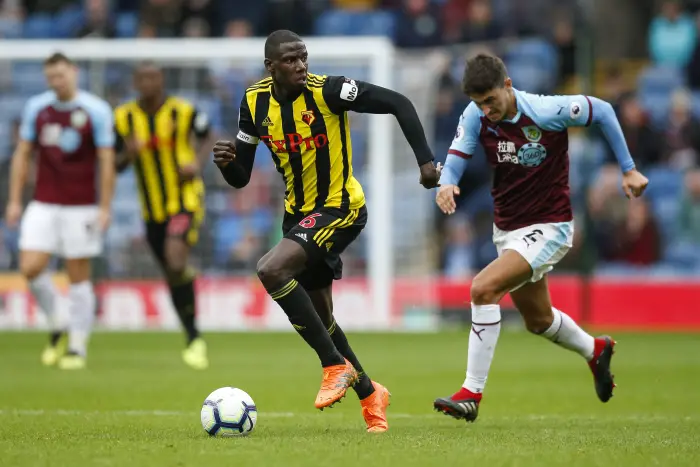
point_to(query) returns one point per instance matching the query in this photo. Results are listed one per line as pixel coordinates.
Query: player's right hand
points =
(224, 152)
(133, 147)
(12, 214)
(430, 175)
(445, 198)
(103, 219)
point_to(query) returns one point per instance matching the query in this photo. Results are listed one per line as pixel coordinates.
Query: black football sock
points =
(301, 313)
(363, 387)
(54, 336)
(184, 300)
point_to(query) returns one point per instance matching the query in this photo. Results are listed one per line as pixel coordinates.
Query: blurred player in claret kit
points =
(302, 118)
(526, 141)
(69, 130)
(163, 136)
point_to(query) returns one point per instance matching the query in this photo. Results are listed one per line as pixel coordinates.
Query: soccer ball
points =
(229, 412)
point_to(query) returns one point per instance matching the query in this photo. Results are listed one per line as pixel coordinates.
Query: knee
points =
(175, 258)
(271, 272)
(485, 291)
(30, 273)
(174, 270)
(538, 323)
(31, 270)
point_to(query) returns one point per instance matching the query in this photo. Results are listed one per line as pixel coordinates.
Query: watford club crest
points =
(308, 117)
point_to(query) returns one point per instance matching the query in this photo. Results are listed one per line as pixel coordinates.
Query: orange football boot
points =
(336, 381)
(374, 409)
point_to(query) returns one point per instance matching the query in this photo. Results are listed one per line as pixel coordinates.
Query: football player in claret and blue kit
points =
(525, 137)
(70, 132)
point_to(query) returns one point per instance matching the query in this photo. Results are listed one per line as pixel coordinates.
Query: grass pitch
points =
(138, 405)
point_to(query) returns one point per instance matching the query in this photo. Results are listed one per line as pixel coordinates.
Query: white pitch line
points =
(128, 413)
(179, 413)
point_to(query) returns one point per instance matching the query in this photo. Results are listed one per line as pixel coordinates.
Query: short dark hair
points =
(275, 39)
(57, 58)
(483, 73)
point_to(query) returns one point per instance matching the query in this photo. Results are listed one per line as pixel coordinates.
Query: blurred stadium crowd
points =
(657, 100)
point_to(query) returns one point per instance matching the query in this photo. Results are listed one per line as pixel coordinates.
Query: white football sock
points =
(44, 292)
(566, 333)
(486, 326)
(81, 299)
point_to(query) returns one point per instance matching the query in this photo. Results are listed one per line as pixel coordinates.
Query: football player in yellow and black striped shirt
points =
(155, 133)
(302, 118)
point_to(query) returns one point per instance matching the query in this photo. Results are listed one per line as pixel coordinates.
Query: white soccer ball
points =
(229, 412)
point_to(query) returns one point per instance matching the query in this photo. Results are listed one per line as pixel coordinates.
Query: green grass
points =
(137, 405)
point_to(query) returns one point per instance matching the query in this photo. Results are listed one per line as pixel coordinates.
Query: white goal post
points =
(377, 53)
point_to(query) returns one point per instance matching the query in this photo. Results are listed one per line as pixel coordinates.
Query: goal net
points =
(241, 225)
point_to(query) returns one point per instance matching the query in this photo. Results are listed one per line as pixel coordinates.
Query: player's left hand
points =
(634, 183)
(430, 175)
(188, 172)
(103, 219)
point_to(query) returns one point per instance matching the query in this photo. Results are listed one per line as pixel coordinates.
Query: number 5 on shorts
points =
(309, 221)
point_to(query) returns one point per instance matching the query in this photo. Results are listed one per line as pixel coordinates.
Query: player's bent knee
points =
(538, 324)
(485, 291)
(285, 261)
(31, 271)
(78, 269)
(32, 264)
(176, 254)
(271, 272)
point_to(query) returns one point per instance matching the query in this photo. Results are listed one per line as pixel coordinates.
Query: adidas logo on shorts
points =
(302, 236)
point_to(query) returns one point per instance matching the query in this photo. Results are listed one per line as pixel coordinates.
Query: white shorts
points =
(542, 245)
(66, 231)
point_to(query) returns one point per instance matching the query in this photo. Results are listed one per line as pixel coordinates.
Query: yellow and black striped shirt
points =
(309, 139)
(166, 142)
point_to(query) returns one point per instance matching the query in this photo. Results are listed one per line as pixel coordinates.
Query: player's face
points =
(290, 67)
(62, 78)
(148, 82)
(495, 103)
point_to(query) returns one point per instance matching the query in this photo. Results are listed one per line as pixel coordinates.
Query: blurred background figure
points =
(672, 35)
(682, 136)
(625, 232)
(97, 20)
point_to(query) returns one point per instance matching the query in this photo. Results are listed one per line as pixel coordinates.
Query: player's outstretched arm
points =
(21, 159)
(104, 135)
(342, 94)
(461, 150)
(204, 140)
(559, 112)
(18, 178)
(126, 146)
(108, 176)
(633, 182)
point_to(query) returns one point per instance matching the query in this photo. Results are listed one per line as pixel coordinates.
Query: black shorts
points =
(324, 234)
(184, 225)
